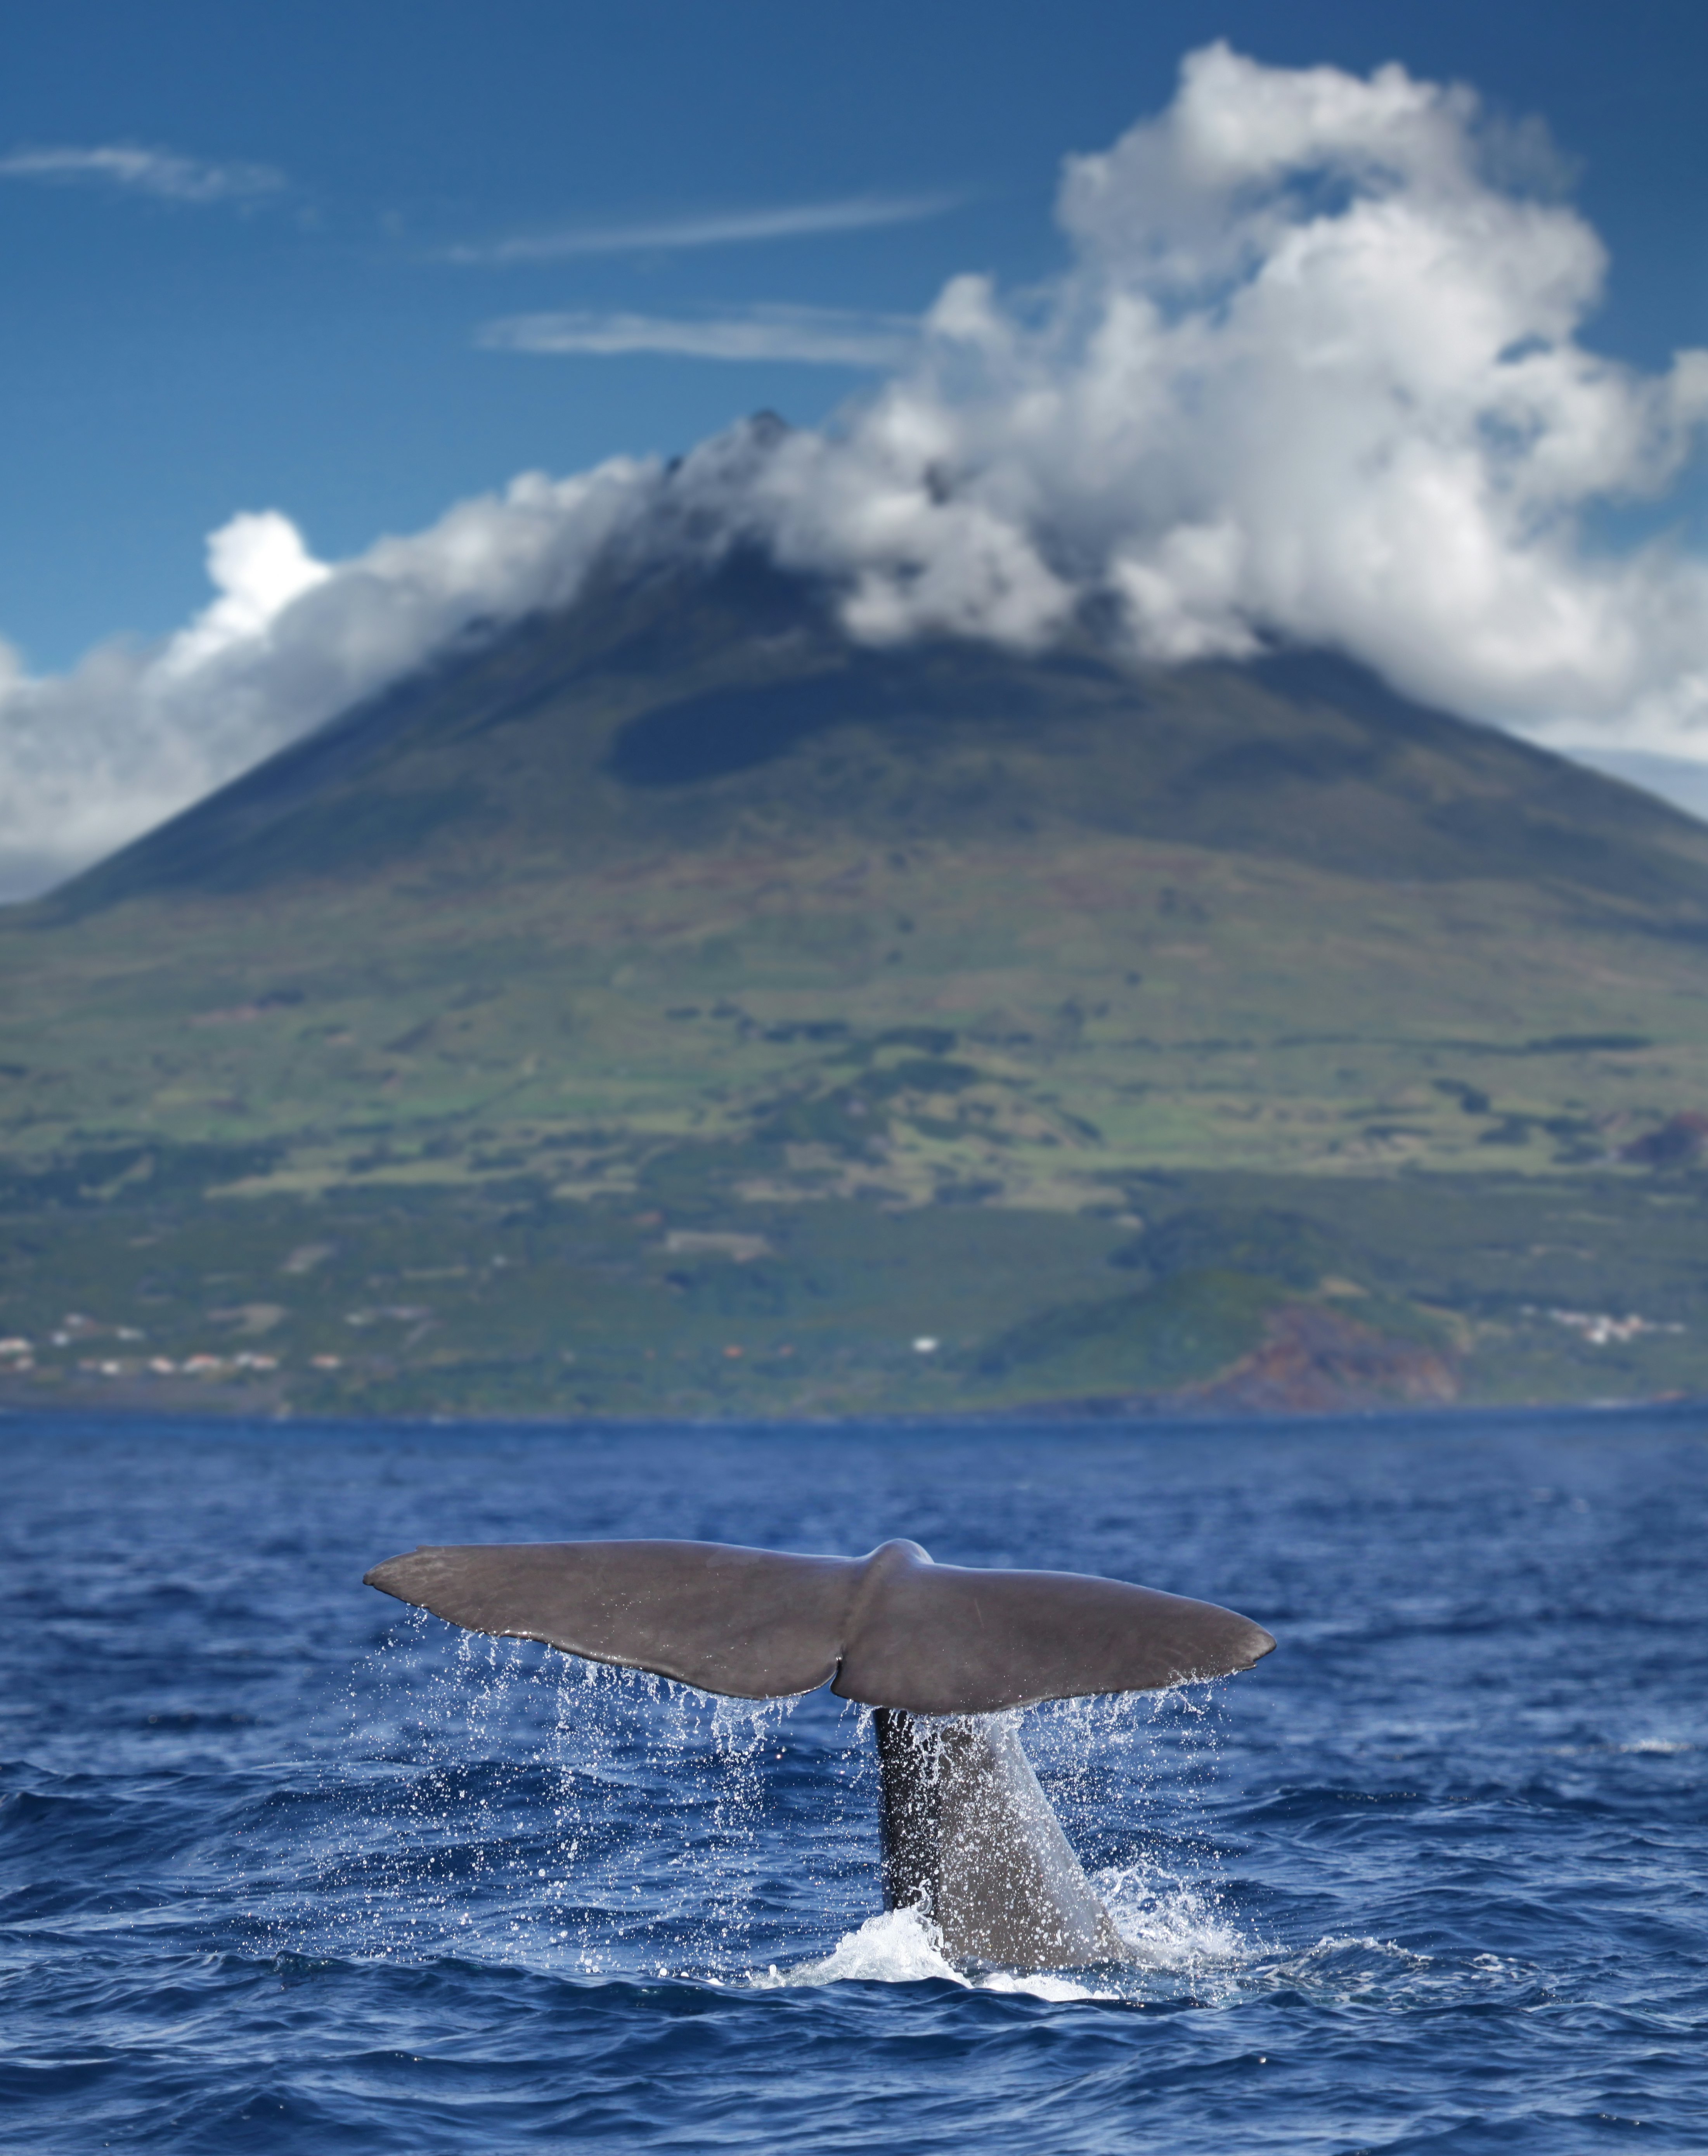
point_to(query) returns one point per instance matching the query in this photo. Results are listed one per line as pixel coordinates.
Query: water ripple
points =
(280, 1872)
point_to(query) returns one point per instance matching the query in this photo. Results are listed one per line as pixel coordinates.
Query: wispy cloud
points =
(728, 229)
(818, 337)
(163, 173)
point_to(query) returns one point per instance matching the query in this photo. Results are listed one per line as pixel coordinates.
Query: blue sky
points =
(293, 319)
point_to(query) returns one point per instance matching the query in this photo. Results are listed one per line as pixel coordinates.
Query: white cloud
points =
(258, 564)
(164, 174)
(820, 337)
(90, 759)
(1314, 373)
(722, 229)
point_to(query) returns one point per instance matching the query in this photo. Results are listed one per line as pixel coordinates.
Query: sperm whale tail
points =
(967, 1834)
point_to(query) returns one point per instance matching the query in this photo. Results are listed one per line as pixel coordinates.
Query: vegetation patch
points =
(1179, 1333)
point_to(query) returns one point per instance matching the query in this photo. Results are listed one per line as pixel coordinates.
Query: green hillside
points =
(668, 1007)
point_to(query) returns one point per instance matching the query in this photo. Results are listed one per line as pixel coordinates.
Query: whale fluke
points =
(893, 1629)
(968, 1835)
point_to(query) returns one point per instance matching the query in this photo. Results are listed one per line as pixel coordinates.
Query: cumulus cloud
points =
(1314, 373)
(722, 229)
(163, 173)
(819, 336)
(90, 759)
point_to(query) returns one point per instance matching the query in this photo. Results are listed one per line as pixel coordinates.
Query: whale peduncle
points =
(969, 1838)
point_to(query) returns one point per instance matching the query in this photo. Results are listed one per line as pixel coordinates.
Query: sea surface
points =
(285, 1866)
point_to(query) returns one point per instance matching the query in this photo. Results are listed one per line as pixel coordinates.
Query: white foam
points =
(899, 1947)
(1039, 1986)
(903, 1947)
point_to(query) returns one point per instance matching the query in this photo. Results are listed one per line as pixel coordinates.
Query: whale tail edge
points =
(892, 1630)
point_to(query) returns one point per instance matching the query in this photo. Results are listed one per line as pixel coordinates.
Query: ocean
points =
(286, 1867)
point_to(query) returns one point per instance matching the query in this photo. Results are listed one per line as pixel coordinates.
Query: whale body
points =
(968, 1835)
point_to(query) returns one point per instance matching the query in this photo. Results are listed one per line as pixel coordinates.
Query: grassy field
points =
(669, 1011)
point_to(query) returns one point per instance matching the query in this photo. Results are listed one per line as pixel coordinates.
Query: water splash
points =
(1172, 1922)
(900, 1946)
(497, 1800)
(502, 1803)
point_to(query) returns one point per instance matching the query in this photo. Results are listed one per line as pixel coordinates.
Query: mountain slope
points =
(694, 717)
(721, 976)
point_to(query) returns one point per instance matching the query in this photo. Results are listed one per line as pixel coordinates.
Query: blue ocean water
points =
(284, 1868)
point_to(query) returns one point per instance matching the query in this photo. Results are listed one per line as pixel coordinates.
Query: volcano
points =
(668, 1003)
